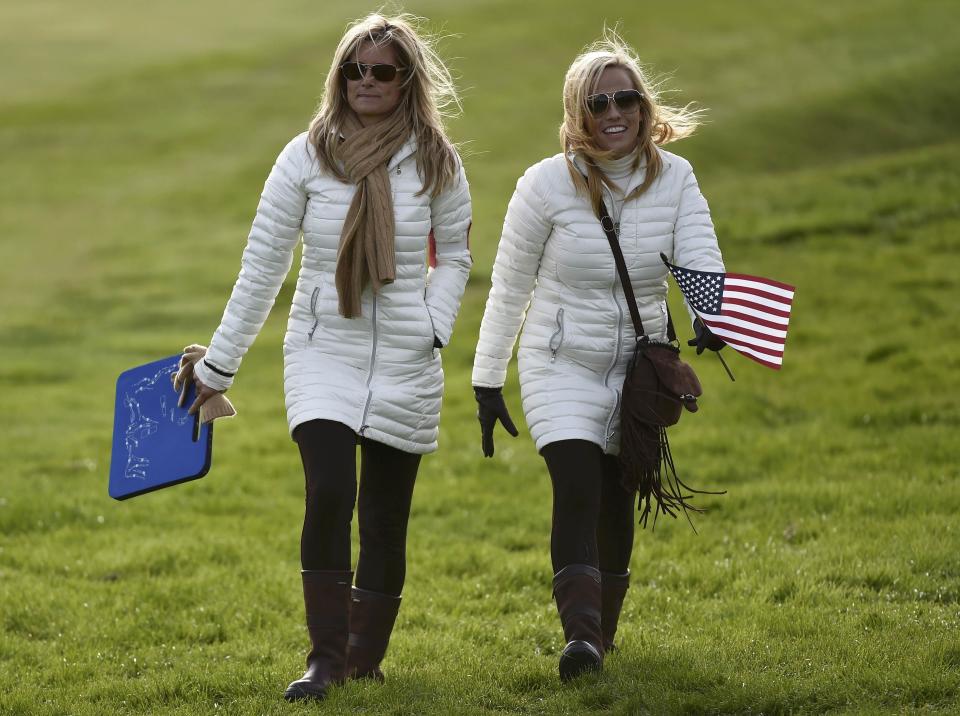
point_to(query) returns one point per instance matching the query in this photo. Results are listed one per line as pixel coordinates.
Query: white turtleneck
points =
(619, 171)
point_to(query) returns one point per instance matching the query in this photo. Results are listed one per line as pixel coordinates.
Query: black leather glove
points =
(705, 338)
(490, 408)
(437, 343)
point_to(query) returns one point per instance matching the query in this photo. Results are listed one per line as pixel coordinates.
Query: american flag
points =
(749, 313)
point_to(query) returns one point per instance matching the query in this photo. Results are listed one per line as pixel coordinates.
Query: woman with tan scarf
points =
(377, 192)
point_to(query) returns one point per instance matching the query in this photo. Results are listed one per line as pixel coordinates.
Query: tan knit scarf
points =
(367, 241)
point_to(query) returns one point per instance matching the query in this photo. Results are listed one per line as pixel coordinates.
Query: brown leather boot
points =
(576, 588)
(372, 616)
(613, 588)
(326, 596)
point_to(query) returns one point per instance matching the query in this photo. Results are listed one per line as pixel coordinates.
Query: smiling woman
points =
(613, 117)
(576, 344)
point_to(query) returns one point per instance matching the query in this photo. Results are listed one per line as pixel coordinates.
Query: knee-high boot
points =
(613, 588)
(576, 588)
(326, 596)
(372, 616)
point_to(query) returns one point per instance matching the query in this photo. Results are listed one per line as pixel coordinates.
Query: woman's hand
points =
(705, 338)
(204, 393)
(490, 409)
(185, 376)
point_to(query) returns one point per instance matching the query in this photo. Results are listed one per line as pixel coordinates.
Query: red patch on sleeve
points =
(432, 247)
(431, 250)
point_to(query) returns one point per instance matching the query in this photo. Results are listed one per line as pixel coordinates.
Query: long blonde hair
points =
(659, 123)
(427, 93)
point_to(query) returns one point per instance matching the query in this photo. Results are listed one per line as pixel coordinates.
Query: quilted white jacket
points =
(378, 373)
(554, 266)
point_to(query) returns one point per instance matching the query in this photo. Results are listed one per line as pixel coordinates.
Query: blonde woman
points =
(555, 275)
(373, 188)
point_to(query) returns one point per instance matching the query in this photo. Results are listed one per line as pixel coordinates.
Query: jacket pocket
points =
(314, 298)
(556, 340)
(431, 329)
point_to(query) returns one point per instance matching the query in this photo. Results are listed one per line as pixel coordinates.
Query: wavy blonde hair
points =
(659, 123)
(427, 94)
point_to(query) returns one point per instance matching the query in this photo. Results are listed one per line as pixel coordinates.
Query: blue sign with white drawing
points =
(155, 443)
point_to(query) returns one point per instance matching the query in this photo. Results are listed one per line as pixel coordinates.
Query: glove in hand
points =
(211, 403)
(490, 409)
(705, 338)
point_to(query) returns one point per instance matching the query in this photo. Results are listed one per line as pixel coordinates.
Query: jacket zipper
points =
(373, 347)
(313, 311)
(373, 358)
(616, 355)
(557, 334)
(613, 364)
(616, 407)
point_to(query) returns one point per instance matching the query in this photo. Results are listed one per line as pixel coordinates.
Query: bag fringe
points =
(647, 466)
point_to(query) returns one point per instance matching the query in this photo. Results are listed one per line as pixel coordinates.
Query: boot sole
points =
(578, 657)
(298, 692)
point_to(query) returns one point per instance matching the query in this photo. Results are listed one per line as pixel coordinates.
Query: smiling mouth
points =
(617, 129)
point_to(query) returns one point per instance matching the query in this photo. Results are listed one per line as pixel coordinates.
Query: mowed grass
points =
(133, 146)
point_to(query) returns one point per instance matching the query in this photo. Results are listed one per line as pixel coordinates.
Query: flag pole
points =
(724, 364)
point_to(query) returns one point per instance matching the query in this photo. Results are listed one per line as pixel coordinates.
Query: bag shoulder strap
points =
(608, 228)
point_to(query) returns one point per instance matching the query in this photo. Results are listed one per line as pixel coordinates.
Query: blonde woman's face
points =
(614, 129)
(374, 100)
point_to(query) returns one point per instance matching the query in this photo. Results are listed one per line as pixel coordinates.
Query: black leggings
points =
(387, 476)
(592, 513)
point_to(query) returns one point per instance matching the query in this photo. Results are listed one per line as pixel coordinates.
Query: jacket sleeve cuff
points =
(488, 377)
(211, 376)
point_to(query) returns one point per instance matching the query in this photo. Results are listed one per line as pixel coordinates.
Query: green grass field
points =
(134, 141)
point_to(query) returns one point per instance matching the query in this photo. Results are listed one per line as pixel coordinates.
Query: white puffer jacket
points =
(554, 265)
(378, 373)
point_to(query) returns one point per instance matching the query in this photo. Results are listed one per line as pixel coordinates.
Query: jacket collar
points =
(636, 179)
(409, 148)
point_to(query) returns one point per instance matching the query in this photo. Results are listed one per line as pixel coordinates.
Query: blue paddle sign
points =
(155, 443)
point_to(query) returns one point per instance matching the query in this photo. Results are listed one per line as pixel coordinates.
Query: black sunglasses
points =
(627, 101)
(357, 71)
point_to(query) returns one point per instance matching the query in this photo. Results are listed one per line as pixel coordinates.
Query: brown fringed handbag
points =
(657, 387)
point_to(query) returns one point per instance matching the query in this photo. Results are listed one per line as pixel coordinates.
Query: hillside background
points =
(134, 141)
